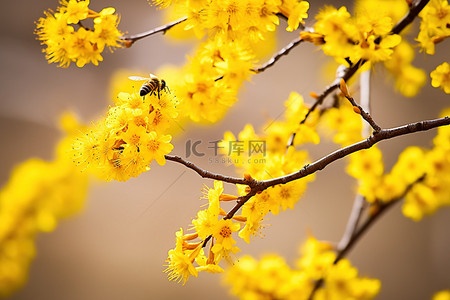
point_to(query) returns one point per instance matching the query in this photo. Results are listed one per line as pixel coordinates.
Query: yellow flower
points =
(64, 44)
(75, 10)
(366, 164)
(36, 197)
(435, 25)
(420, 201)
(442, 295)
(180, 266)
(222, 232)
(157, 147)
(345, 122)
(296, 11)
(440, 77)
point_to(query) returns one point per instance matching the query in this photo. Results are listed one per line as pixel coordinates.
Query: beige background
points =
(116, 247)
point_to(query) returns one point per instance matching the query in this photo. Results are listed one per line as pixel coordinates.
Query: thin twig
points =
(381, 208)
(376, 137)
(366, 116)
(260, 185)
(359, 203)
(353, 220)
(206, 174)
(407, 19)
(133, 38)
(295, 42)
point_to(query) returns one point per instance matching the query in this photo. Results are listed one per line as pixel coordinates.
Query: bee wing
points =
(137, 78)
(153, 76)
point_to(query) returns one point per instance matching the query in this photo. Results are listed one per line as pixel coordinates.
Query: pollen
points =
(225, 232)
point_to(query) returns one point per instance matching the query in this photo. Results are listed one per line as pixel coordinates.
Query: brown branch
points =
(206, 174)
(359, 204)
(366, 116)
(381, 208)
(349, 72)
(353, 220)
(260, 185)
(376, 137)
(130, 39)
(295, 42)
(257, 186)
(410, 16)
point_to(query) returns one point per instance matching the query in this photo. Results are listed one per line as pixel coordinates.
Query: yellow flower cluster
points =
(435, 25)
(267, 156)
(425, 196)
(132, 135)
(237, 32)
(261, 158)
(349, 39)
(408, 79)
(64, 44)
(440, 77)
(209, 223)
(272, 278)
(236, 19)
(31, 203)
(209, 83)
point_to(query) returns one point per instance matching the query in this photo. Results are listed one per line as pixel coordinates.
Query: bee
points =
(151, 85)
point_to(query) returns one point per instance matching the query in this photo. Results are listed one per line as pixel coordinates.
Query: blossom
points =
(125, 143)
(67, 40)
(440, 77)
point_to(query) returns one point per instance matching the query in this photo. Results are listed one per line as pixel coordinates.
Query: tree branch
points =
(130, 39)
(381, 208)
(360, 203)
(295, 42)
(376, 137)
(261, 185)
(366, 116)
(206, 174)
(349, 72)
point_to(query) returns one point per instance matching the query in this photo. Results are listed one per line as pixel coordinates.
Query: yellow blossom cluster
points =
(342, 123)
(260, 157)
(209, 83)
(236, 19)
(408, 79)
(419, 175)
(209, 224)
(237, 30)
(267, 156)
(133, 134)
(348, 39)
(31, 203)
(68, 40)
(440, 77)
(442, 295)
(272, 278)
(435, 25)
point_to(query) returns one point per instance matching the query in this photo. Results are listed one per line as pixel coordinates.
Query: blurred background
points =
(116, 247)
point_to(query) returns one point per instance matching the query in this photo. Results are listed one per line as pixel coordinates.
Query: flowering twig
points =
(349, 72)
(359, 203)
(260, 185)
(295, 42)
(130, 39)
(206, 174)
(359, 109)
(376, 137)
(380, 209)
